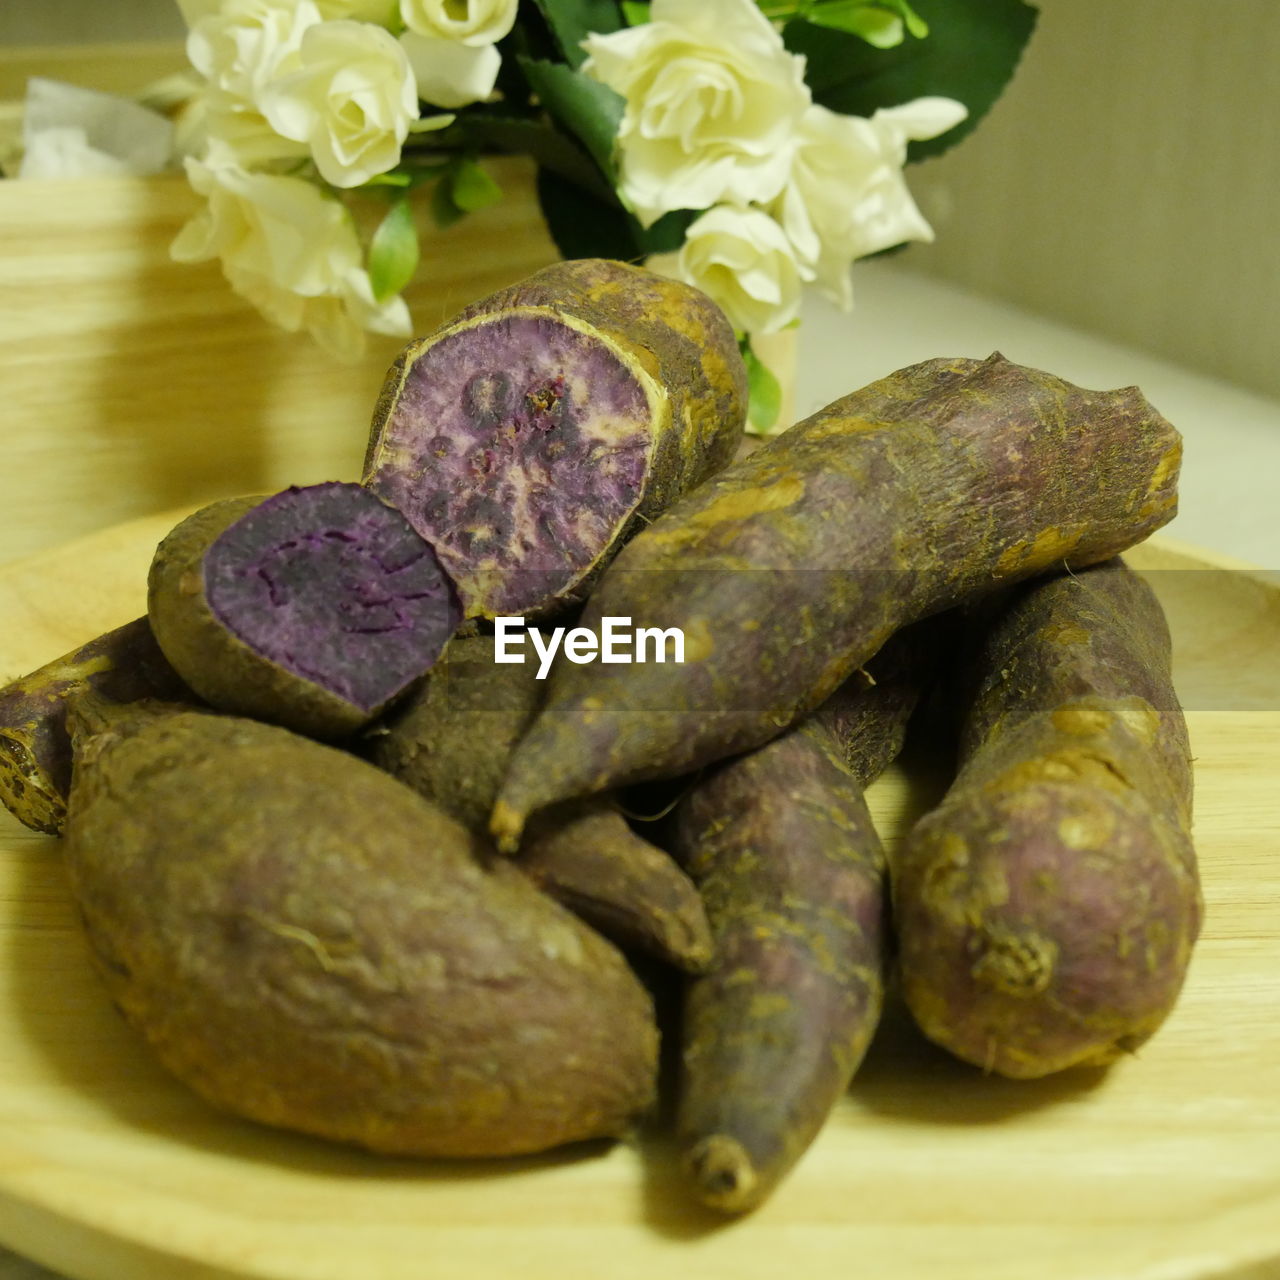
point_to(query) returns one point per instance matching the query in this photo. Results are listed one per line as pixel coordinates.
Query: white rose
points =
(473, 22)
(848, 195)
(742, 259)
(289, 249)
(450, 73)
(351, 100)
(245, 43)
(713, 100)
(211, 118)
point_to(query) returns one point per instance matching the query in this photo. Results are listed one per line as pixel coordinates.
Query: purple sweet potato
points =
(783, 849)
(530, 436)
(450, 741)
(1046, 910)
(307, 943)
(313, 609)
(929, 487)
(35, 750)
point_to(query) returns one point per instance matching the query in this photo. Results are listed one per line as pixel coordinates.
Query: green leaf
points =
(971, 53)
(389, 180)
(636, 12)
(764, 402)
(472, 187)
(667, 234)
(444, 212)
(571, 21)
(584, 107)
(878, 22)
(584, 226)
(875, 26)
(393, 251)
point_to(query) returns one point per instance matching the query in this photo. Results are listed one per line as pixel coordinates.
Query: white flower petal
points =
(742, 260)
(479, 23)
(449, 73)
(922, 118)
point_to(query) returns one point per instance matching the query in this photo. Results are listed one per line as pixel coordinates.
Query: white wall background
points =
(1129, 182)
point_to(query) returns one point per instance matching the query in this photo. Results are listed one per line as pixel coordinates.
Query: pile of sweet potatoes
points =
(349, 873)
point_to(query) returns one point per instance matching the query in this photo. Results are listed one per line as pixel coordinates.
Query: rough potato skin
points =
(932, 486)
(1047, 909)
(307, 943)
(35, 750)
(670, 337)
(232, 673)
(782, 846)
(451, 740)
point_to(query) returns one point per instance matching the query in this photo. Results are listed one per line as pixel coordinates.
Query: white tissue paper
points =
(70, 132)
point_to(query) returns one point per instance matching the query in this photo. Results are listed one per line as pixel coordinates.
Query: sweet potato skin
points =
(307, 943)
(932, 486)
(1047, 909)
(451, 741)
(35, 749)
(782, 846)
(675, 341)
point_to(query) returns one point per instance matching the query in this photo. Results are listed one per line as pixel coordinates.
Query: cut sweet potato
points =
(530, 436)
(313, 609)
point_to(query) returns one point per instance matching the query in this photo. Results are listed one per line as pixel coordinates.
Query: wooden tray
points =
(1165, 1167)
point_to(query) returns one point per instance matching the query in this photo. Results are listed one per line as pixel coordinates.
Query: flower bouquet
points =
(747, 148)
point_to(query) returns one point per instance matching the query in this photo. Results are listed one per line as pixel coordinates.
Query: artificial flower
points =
(351, 99)
(288, 248)
(741, 259)
(244, 44)
(847, 195)
(451, 73)
(472, 22)
(713, 102)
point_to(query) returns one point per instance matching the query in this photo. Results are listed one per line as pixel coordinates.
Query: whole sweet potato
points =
(925, 489)
(1046, 910)
(35, 749)
(530, 436)
(451, 740)
(313, 609)
(782, 846)
(307, 943)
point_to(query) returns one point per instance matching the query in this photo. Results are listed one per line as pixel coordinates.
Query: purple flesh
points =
(518, 447)
(334, 586)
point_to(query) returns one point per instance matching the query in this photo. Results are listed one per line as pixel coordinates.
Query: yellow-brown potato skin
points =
(306, 942)
(789, 569)
(1047, 909)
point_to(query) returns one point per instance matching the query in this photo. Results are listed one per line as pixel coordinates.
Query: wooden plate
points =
(1166, 1166)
